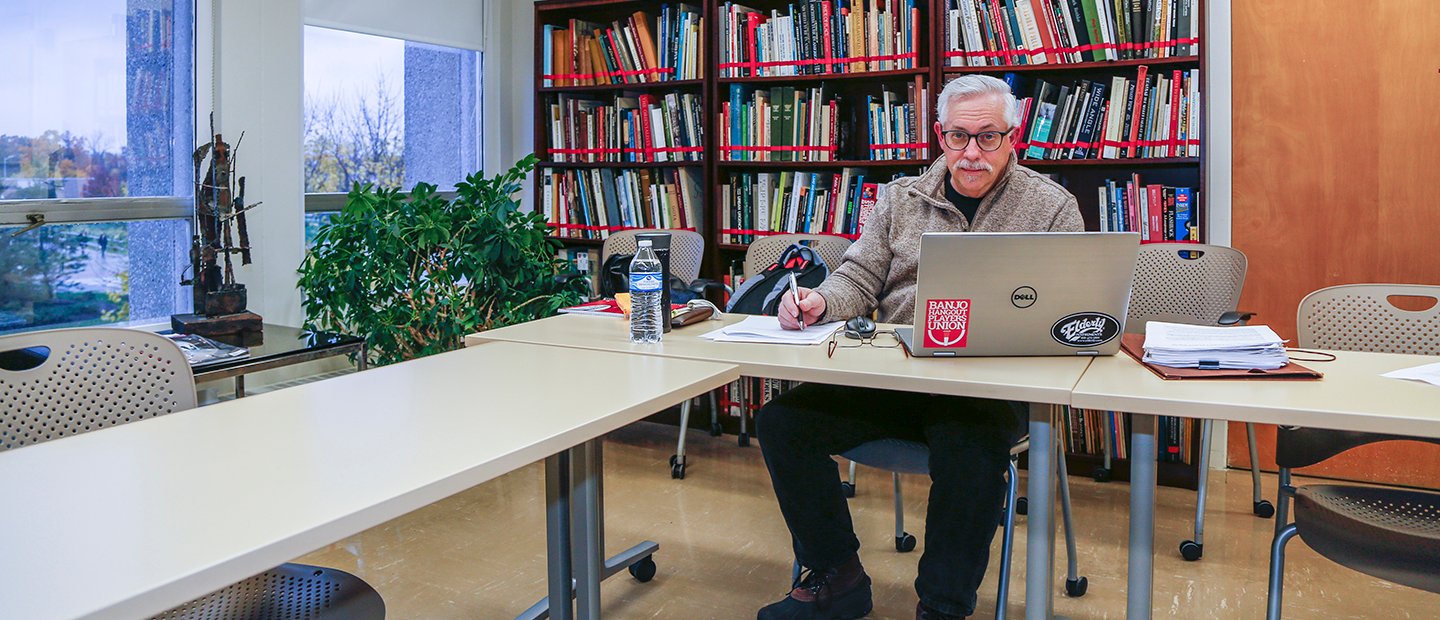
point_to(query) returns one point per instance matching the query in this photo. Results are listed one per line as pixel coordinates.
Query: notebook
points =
(1012, 294)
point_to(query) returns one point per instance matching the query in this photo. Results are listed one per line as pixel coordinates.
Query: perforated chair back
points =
(764, 251)
(1184, 283)
(68, 381)
(1360, 317)
(290, 591)
(687, 250)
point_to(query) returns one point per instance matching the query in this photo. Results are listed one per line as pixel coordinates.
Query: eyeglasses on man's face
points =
(883, 339)
(959, 139)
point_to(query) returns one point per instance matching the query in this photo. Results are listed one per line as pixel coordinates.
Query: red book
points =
(1140, 88)
(647, 153)
(869, 193)
(752, 47)
(825, 35)
(830, 210)
(1156, 211)
(1176, 82)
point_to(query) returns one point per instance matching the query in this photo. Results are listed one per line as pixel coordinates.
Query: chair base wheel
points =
(847, 489)
(1191, 550)
(715, 430)
(1075, 588)
(1264, 509)
(744, 440)
(644, 570)
(905, 543)
(1101, 474)
(677, 471)
(1022, 506)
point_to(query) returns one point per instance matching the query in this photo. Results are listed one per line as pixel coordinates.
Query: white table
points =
(1352, 396)
(132, 520)
(1038, 380)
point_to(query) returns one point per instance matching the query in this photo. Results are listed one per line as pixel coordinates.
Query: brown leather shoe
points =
(841, 593)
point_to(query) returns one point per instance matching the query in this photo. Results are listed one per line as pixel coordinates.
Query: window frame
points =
(334, 202)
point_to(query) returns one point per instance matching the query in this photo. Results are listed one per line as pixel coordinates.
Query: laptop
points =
(994, 294)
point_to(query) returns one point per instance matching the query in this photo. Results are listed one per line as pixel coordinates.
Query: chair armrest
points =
(710, 290)
(1235, 317)
(575, 280)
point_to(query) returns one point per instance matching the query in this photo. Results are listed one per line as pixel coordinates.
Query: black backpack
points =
(615, 275)
(760, 294)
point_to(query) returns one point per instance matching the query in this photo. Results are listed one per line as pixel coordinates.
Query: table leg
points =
(557, 542)
(1142, 516)
(1040, 545)
(239, 386)
(589, 562)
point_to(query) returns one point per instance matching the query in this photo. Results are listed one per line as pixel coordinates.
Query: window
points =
(385, 111)
(96, 129)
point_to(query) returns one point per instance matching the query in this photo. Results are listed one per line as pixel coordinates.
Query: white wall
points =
(259, 89)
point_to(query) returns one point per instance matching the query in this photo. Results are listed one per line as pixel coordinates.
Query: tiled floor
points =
(724, 550)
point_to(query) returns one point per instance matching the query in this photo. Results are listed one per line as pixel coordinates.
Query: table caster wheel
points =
(677, 471)
(1191, 550)
(1022, 506)
(644, 570)
(1101, 474)
(847, 489)
(744, 440)
(906, 543)
(1075, 588)
(1264, 509)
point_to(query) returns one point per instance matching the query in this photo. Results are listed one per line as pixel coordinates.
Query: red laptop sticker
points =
(947, 323)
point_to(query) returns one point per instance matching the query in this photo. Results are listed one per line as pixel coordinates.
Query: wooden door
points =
(1337, 165)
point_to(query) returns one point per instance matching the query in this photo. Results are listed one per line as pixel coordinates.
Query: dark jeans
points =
(969, 441)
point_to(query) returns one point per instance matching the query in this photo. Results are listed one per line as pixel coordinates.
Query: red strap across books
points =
(586, 76)
(902, 145)
(779, 148)
(1069, 50)
(603, 228)
(766, 233)
(607, 151)
(814, 61)
(1119, 143)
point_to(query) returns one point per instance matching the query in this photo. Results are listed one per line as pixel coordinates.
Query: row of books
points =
(1027, 32)
(628, 128)
(584, 53)
(592, 203)
(1085, 431)
(819, 36)
(836, 203)
(1157, 212)
(783, 123)
(1154, 115)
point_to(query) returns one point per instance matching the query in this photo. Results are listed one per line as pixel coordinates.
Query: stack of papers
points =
(1221, 348)
(767, 329)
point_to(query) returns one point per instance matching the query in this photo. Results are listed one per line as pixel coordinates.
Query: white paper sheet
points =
(767, 329)
(1429, 373)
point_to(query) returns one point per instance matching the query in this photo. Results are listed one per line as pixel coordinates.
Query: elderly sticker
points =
(1085, 329)
(947, 323)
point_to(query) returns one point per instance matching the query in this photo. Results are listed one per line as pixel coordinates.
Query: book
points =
(201, 350)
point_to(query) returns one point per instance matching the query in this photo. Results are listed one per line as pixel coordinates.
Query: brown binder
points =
(1134, 345)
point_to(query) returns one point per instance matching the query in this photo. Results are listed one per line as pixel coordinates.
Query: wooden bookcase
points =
(1082, 177)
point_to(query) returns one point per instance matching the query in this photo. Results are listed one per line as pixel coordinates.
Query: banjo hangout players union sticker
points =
(1085, 329)
(947, 323)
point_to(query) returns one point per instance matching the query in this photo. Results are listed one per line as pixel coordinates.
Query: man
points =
(976, 187)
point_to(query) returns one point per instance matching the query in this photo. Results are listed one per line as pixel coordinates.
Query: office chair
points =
(1200, 285)
(761, 253)
(899, 456)
(58, 383)
(1390, 533)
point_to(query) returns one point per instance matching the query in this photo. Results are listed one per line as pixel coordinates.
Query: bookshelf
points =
(927, 58)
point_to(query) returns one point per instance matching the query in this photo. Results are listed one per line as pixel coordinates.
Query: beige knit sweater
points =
(879, 270)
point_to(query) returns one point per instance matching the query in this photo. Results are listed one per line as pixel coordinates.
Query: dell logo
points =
(1023, 297)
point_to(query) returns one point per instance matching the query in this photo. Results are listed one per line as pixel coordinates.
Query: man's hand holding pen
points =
(809, 308)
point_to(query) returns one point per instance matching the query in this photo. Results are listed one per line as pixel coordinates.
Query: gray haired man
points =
(976, 186)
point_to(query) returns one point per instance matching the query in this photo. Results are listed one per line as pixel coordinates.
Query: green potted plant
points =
(415, 273)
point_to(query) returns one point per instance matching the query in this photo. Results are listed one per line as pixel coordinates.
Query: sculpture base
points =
(242, 329)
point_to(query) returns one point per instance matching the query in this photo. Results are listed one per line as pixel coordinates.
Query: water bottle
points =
(647, 285)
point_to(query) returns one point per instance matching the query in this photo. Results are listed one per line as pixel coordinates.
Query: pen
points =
(795, 290)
